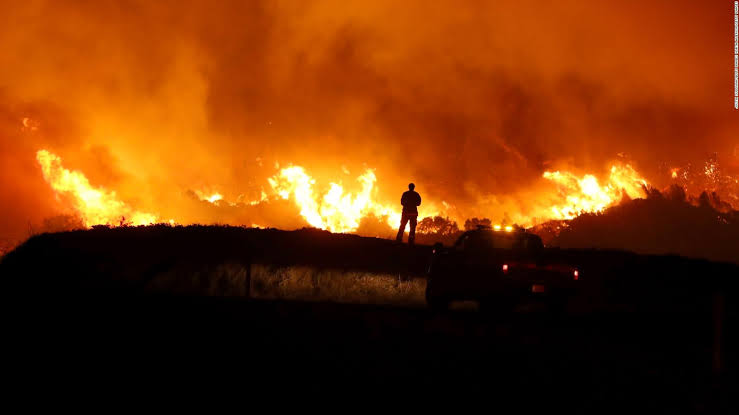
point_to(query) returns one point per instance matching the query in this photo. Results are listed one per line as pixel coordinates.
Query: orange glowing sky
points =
(160, 102)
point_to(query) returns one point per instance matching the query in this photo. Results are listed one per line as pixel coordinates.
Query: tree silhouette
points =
(437, 226)
(474, 223)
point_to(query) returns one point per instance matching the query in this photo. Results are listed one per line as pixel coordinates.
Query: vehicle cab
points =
(495, 266)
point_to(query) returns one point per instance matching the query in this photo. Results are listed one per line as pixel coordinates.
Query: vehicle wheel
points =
(436, 302)
(434, 298)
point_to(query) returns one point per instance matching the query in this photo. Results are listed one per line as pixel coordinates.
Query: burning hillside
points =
(668, 222)
(335, 209)
(281, 115)
(270, 149)
(94, 206)
(585, 195)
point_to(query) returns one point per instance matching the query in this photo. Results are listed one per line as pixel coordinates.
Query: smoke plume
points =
(472, 101)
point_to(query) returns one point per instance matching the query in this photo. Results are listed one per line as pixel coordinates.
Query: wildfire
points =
(586, 194)
(216, 198)
(336, 210)
(95, 206)
(332, 207)
(211, 198)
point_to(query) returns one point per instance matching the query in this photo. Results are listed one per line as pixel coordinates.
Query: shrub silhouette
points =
(662, 223)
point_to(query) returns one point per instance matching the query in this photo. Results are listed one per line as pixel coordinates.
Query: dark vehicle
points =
(499, 269)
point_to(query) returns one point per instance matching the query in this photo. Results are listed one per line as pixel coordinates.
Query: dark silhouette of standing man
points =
(410, 201)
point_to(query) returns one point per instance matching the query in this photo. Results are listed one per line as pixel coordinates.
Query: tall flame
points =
(586, 194)
(337, 210)
(95, 206)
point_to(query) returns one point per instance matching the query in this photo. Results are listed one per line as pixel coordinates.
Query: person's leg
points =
(412, 234)
(403, 222)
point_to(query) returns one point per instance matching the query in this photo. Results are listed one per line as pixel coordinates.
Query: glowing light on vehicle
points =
(576, 275)
(538, 288)
(505, 267)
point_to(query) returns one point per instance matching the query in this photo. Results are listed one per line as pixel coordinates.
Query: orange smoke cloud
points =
(157, 101)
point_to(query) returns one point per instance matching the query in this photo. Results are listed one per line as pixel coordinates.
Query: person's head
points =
(411, 186)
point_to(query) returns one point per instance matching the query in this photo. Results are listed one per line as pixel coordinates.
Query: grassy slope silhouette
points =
(312, 264)
(76, 301)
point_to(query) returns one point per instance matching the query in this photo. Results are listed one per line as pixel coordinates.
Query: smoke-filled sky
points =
(470, 100)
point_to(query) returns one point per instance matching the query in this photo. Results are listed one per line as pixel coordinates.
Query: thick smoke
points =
(472, 101)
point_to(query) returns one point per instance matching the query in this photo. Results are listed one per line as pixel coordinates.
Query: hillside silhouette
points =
(190, 300)
(662, 223)
(234, 261)
(667, 222)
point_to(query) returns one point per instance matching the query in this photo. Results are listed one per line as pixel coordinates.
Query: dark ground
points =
(661, 335)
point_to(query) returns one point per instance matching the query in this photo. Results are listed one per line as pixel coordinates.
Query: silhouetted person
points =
(410, 201)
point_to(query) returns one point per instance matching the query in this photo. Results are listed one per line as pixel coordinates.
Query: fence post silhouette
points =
(248, 277)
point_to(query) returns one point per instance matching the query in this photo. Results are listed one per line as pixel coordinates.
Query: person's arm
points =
(419, 200)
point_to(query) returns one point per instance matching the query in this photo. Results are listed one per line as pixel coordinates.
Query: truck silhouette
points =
(500, 269)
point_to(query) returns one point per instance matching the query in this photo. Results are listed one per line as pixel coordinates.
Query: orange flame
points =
(95, 206)
(337, 210)
(586, 194)
(210, 198)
